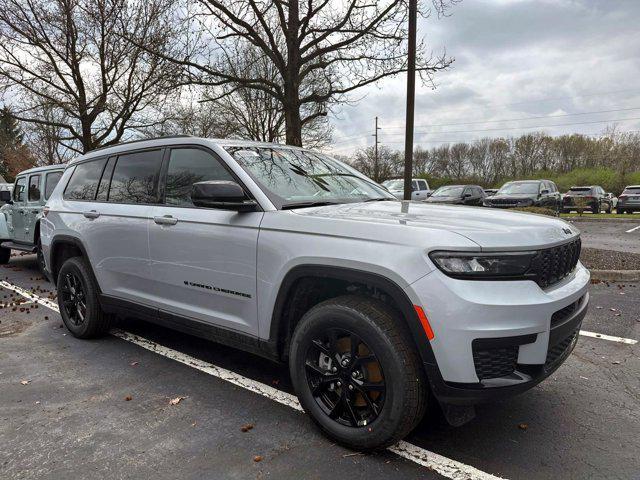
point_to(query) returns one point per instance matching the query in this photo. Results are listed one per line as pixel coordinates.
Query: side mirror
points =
(5, 196)
(466, 195)
(544, 192)
(221, 194)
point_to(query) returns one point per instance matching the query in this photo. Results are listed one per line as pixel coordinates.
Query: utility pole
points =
(375, 155)
(411, 98)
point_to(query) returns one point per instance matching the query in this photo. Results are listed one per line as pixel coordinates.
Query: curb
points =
(616, 275)
(601, 219)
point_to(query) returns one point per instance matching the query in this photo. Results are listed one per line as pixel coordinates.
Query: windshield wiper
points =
(381, 199)
(289, 206)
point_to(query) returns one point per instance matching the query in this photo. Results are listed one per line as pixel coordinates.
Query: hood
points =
(512, 196)
(444, 199)
(490, 229)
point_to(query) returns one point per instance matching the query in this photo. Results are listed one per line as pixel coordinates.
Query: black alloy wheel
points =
(73, 297)
(345, 378)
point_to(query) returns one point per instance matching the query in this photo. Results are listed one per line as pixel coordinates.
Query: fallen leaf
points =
(128, 398)
(257, 458)
(175, 401)
(615, 362)
(133, 364)
(598, 308)
(246, 427)
(523, 426)
(25, 382)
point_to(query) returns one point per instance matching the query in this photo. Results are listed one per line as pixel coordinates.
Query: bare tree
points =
(321, 50)
(73, 56)
(45, 139)
(384, 166)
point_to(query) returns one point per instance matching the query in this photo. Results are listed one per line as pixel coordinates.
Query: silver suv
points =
(377, 305)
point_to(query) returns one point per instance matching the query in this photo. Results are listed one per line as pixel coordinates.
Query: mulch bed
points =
(596, 259)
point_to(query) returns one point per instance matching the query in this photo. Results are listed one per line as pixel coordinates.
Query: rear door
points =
(112, 199)
(203, 260)
(33, 207)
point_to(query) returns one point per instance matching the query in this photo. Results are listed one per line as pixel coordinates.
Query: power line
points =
(480, 122)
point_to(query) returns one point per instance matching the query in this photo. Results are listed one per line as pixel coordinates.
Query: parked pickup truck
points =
(20, 215)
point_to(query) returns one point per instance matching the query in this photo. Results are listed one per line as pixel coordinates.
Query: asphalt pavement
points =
(103, 408)
(610, 234)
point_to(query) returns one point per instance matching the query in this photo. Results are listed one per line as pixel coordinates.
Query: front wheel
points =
(78, 300)
(40, 257)
(357, 373)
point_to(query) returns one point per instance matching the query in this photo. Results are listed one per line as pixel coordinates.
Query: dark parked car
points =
(458, 195)
(629, 200)
(490, 192)
(592, 198)
(526, 193)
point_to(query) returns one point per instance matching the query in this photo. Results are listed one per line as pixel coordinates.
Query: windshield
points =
(397, 184)
(448, 192)
(580, 191)
(294, 177)
(515, 188)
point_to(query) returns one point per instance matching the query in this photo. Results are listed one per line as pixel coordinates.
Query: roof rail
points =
(140, 140)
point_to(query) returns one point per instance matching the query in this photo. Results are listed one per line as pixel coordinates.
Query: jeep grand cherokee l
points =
(377, 305)
(526, 193)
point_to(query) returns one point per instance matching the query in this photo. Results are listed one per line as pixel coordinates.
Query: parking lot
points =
(621, 235)
(146, 402)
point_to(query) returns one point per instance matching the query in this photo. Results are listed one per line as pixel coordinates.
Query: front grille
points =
(553, 264)
(495, 362)
(503, 202)
(557, 352)
(564, 313)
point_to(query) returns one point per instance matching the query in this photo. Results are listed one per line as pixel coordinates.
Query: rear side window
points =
(135, 178)
(18, 191)
(186, 167)
(50, 183)
(34, 188)
(84, 180)
(422, 185)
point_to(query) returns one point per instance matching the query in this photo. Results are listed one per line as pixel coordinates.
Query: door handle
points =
(91, 214)
(165, 220)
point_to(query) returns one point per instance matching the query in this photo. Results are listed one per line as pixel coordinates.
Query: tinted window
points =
(186, 167)
(34, 188)
(18, 191)
(414, 185)
(135, 177)
(103, 188)
(50, 183)
(422, 184)
(84, 180)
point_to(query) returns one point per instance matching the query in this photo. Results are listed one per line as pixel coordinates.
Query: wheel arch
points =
(284, 318)
(64, 247)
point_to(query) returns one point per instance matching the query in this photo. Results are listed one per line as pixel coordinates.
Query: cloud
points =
(514, 59)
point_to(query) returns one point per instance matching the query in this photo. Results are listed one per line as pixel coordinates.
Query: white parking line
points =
(444, 466)
(633, 229)
(611, 338)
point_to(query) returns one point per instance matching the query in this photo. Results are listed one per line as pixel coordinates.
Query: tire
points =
(596, 209)
(5, 255)
(40, 258)
(396, 372)
(90, 321)
(619, 211)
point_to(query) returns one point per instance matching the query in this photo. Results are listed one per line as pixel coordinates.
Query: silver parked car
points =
(378, 306)
(22, 213)
(419, 188)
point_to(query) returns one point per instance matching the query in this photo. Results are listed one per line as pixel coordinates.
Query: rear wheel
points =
(356, 372)
(40, 257)
(5, 255)
(78, 300)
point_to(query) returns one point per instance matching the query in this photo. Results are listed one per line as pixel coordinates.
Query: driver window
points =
(18, 191)
(186, 167)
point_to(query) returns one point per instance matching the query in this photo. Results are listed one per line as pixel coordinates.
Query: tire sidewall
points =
(74, 265)
(312, 325)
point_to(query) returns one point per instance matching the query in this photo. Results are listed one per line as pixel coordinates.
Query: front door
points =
(203, 260)
(17, 210)
(33, 207)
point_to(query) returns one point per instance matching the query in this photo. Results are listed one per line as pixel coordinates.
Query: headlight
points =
(483, 265)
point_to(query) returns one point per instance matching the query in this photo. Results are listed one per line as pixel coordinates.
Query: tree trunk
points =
(293, 123)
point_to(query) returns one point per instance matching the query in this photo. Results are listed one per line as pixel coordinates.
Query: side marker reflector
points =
(425, 322)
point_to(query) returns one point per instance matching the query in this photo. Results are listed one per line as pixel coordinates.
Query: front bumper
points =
(497, 338)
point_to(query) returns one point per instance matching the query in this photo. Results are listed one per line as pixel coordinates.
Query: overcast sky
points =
(514, 59)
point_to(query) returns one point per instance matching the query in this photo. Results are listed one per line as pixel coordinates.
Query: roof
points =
(44, 168)
(529, 181)
(174, 140)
